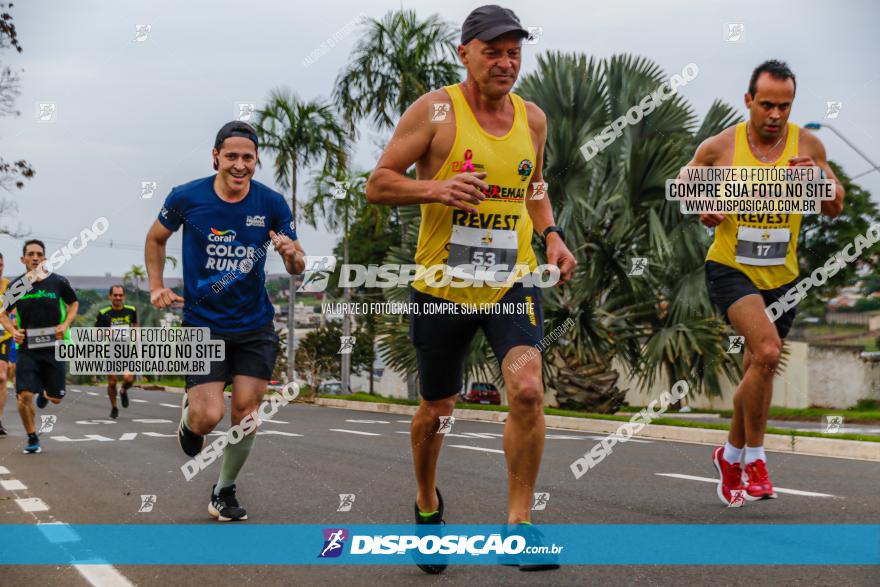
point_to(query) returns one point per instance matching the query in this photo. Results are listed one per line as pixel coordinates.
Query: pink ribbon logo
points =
(468, 164)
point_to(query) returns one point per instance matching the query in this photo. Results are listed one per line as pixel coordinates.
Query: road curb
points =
(800, 445)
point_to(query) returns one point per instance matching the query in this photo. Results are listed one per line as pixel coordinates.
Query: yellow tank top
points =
(763, 246)
(4, 283)
(500, 235)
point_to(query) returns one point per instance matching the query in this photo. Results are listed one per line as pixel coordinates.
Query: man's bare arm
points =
(154, 258)
(389, 185)
(706, 155)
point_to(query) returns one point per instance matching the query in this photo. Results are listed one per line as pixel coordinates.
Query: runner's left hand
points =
(59, 331)
(559, 255)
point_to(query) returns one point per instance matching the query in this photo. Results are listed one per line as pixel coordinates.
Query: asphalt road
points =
(94, 470)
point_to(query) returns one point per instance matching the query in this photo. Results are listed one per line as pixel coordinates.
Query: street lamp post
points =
(817, 126)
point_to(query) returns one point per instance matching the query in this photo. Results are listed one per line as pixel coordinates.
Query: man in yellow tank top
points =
(478, 151)
(752, 263)
(6, 343)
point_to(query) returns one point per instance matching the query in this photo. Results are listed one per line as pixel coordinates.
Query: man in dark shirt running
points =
(45, 306)
(229, 221)
(117, 315)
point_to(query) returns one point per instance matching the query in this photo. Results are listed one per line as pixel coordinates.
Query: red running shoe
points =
(758, 482)
(730, 486)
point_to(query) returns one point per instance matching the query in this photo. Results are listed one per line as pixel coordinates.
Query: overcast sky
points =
(128, 112)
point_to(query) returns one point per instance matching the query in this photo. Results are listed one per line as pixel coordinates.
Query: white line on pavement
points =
(86, 439)
(368, 421)
(477, 448)
(177, 406)
(275, 421)
(4, 471)
(151, 421)
(128, 436)
(103, 576)
(354, 432)
(777, 489)
(32, 504)
(91, 393)
(277, 433)
(140, 401)
(12, 485)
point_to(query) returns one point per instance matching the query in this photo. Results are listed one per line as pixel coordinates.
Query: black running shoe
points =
(114, 412)
(41, 400)
(33, 444)
(437, 520)
(2, 430)
(189, 441)
(225, 507)
(123, 395)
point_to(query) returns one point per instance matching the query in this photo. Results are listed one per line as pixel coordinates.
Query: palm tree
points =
(613, 209)
(299, 134)
(398, 59)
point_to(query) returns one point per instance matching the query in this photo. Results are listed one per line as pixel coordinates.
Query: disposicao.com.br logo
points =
(426, 544)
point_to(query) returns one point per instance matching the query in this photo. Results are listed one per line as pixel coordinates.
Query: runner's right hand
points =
(164, 298)
(18, 336)
(711, 220)
(461, 190)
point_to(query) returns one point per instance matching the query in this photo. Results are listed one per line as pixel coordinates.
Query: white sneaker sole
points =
(216, 514)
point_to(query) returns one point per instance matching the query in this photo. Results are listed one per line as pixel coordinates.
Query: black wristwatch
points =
(555, 229)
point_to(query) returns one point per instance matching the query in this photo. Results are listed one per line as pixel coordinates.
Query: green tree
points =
(821, 237)
(318, 358)
(299, 134)
(12, 173)
(397, 59)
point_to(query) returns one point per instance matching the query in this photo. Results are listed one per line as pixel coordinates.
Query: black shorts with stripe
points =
(443, 340)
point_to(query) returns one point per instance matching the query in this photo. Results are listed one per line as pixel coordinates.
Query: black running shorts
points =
(728, 285)
(442, 339)
(38, 371)
(250, 353)
(6, 349)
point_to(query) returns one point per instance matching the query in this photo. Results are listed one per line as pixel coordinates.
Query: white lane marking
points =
(103, 576)
(405, 421)
(277, 433)
(4, 471)
(176, 407)
(12, 485)
(128, 436)
(152, 421)
(354, 432)
(88, 437)
(32, 504)
(275, 421)
(477, 448)
(90, 422)
(91, 393)
(777, 489)
(77, 390)
(368, 421)
(159, 435)
(58, 532)
(140, 401)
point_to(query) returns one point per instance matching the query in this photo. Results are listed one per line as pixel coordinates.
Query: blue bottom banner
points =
(569, 544)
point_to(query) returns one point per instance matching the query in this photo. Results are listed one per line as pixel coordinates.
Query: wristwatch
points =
(555, 229)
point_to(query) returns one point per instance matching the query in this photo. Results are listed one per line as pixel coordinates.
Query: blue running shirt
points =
(224, 252)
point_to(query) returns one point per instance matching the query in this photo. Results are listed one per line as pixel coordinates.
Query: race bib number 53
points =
(482, 253)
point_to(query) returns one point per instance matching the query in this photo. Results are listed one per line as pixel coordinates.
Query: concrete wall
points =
(839, 376)
(814, 375)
